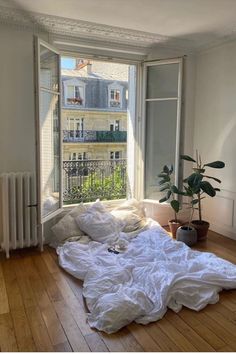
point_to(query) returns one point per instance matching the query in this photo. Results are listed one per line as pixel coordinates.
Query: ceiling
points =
(197, 23)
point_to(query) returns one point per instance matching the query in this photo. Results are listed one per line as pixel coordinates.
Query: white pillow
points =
(67, 226)
(99, 224)
(131, 214)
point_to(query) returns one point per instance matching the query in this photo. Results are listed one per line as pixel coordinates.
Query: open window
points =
(48, 126)
(162, 112)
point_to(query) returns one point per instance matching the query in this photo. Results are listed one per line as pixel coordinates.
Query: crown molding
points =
(84, 29)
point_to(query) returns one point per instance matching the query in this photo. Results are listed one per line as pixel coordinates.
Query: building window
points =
(115, 155)
(78, 156)
(115, 98)
(75, 128)
(115, 126)
(75, 95)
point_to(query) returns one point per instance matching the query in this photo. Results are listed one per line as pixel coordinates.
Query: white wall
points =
(215, 130)
(17, 118)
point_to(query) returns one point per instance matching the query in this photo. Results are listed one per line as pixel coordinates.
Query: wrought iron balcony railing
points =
(88, 180)
(97, 136)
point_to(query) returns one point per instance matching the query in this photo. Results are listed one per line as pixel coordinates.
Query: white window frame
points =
(140, 149)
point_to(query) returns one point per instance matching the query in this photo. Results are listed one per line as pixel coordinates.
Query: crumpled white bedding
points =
(154, 273)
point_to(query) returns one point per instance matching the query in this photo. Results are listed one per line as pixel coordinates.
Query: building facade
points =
(94, 112)
(94, 123)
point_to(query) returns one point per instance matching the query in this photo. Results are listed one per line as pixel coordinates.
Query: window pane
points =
(49, 69)
(50, 150)
(160, 142)
(162, 81)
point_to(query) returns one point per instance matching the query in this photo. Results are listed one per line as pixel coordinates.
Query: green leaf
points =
(164, 187)
(207, 188)
(194, 180)
(166, 169)
(215, 179)
(216, 164)
(174, 189)
(168, 194)
(162, 181)
(187, 158)
(162, 175)
(171, 169)
(162, 200)
(175, 205)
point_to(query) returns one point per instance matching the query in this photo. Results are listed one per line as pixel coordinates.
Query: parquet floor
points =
(42, 309)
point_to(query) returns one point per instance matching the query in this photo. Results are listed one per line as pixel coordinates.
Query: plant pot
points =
(174, 225)
(186, 234)
(202, 228)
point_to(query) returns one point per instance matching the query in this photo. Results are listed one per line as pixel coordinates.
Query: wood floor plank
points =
(163, 341)
(7, 334)
(22, 329)
(199, 327)
(217, 329)
(47, 278)
(199, 343)
(143, 338)
(95, 343)
(54, 328)
(73, 304)
(71, 329)
(129, 341)
(175, 335)
(221, 319)
(112, 342)
(62, 347)
(4, 305)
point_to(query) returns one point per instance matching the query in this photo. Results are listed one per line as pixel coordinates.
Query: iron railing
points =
(88, 180)
(99, 136)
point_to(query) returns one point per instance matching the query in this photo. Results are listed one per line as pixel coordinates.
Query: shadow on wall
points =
(225, 150)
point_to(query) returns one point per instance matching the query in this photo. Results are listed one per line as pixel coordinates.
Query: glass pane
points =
(162, 81)
(50, 152)
(49, 69)
(160, 142)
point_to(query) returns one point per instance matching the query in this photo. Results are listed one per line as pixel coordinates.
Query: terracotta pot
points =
(201, 228)
(173, 225)
(186, 234)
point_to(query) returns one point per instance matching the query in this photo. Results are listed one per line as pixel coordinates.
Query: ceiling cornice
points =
(84, 29)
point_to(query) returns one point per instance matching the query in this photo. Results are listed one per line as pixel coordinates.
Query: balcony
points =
(94, 136)
(88, 180)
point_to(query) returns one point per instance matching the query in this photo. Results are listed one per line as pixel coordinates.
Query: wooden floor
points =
(42, 309)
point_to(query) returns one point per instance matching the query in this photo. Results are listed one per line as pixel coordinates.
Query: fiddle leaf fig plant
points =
(197, 183)
(166, 185)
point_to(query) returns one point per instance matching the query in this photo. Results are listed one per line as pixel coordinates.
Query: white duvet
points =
(153, 274)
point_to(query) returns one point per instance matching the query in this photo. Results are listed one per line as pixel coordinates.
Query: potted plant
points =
(187, 233)
(166, 185)
(200, 186)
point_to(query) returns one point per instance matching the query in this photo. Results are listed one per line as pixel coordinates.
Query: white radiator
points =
(18, 219)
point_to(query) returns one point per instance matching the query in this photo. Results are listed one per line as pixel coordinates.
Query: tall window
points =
(162, 116)
(75, 95)
(75, 128)
(115, 126)
(115, 98)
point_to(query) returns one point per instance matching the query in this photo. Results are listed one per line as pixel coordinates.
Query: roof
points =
(100, 70)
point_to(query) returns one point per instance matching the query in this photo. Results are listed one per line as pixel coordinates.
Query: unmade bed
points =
(152, 274)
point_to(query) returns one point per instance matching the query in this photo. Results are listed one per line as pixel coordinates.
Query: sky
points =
(67, 63)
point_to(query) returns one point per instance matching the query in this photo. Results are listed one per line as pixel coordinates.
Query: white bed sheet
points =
(153, 274)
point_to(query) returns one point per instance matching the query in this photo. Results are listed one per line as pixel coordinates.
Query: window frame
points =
(141, 153)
